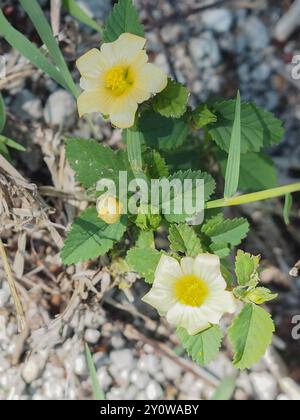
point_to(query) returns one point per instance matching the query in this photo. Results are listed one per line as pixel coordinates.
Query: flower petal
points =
(160, 298)
(187, 317)
(187, 265)
(126, 48)
(122, 112)
(92, 64)
(222, 302)
(207, 267)
(93, 101)
(167, 272)
(151, 78)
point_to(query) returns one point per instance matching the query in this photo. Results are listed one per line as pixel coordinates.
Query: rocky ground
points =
(214, 52)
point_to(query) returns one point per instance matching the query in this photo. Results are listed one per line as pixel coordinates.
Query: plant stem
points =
(18, 305)
(254, 197)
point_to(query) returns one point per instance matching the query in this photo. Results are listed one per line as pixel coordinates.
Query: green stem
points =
(254, 197)
(134, 151)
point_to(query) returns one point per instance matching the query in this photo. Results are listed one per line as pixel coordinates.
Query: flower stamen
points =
(191, 290)
(119, 80)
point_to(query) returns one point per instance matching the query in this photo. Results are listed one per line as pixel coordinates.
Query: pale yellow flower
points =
(118, 78)
(191, 294)
(109, 209)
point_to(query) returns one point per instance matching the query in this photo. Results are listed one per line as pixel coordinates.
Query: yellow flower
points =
(118, 78)
(109, 209)
(192, 294)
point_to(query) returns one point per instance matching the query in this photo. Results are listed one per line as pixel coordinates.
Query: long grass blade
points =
(35, 12)
(234, 158)
(29, 51)
(2, 114)
(225, 390)
(11, 143)
(97, 391)
(78, 13)
(287, 208)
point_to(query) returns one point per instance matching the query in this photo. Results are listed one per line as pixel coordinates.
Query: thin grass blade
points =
(78, 13)
(234, 158)
(97, 391)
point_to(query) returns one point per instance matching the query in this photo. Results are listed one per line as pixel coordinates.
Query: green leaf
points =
(92, 161)
(169, 199)
(225, 390)
(123, 18)
(172, 101)
(258, 128)
(156, 166)
(257, 171)
(230, 231)
(221, 249)
(12, 144)
(203, 116)
(250, 334)
(18, 41)
(4, 151)
(234, 157)
(204, 347)
(145, 239)
(2, 113)
(260, 295)
(97, 391)
(144, 261)
(246, 268)
(288, 204)
(184, 239)
(90, 237)
(78, 13)
(162, 133)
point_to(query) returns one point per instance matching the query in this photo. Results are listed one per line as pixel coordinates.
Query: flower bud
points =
(109, 209)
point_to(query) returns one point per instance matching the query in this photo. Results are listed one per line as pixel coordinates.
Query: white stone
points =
(154, 391)
(31, 370)
(91, 336)
(104, 378)
(205, 50)
(4, 294)
(218, 20)
(264, 385)
(149, 363)
(60, 109)
(121, 358)
(256, 33)
(171, 369)
(139, 379)
(80, 366)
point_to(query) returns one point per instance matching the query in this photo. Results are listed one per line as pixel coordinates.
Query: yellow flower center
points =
(190, 290)
(119, 79)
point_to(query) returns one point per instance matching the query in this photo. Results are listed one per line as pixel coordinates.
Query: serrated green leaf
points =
(156, 166)
(232, 174)
(123, 18)
(2, 113)
(288, 204)
(258, 128)
(260, 295)
(172, 101)
(257, 171)
(145, 239)
(250, 335)
(168, 201)
(230, 231)
(162, 133)
(92, 161)
(184, 239)
(90, 237)
(204, 347)
(221, 249)
(246, 268)
(144, 261)
(203, 116)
